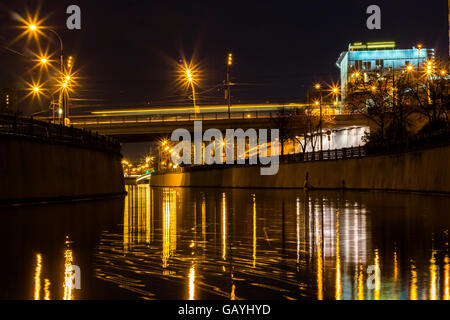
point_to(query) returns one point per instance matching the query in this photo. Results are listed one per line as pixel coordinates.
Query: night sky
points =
(127, 51)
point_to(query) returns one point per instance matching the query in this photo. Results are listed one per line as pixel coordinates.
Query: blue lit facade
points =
(372, 57)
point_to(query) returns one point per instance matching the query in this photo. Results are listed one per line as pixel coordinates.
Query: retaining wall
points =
(40, 171)
(421, 171)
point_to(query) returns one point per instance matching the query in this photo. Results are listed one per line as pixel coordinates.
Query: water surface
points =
(180, 243)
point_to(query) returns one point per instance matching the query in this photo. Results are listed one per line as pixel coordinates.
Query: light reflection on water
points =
(242, 244)
(166, 243)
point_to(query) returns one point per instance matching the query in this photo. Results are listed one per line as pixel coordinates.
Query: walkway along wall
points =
(63, 164)
(421, 171)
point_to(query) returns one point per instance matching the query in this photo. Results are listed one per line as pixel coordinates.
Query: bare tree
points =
(284, 120)
(372, 96)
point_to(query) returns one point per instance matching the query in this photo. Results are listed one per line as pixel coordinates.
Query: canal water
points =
(179, 243)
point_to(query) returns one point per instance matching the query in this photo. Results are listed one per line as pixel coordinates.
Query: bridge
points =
(149, 125)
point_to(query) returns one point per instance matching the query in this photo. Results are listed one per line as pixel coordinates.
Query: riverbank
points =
(424, 170)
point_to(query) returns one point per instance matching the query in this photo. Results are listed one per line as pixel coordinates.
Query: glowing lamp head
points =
(67, 77)
(36, 89)
(44, 60)
(230, 59)
(409, 67)
(317, 86)
(189, 75)
(32, 27)
(335, 90)
(64, 85)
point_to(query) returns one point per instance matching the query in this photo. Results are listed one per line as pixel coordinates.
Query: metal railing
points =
(160, 118)
(28, 127)
(325, 155)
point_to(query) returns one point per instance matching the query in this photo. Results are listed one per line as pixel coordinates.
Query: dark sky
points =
(127, 50)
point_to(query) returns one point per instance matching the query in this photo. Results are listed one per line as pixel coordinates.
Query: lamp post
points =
(318, 86)
(63, 104)
(229, 64)
(190, 79)
(419, 53)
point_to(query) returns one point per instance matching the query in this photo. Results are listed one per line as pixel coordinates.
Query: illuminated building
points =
(361, 59)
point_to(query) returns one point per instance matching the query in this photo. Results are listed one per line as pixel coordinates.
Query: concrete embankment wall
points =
(40, 171)
(421, 171)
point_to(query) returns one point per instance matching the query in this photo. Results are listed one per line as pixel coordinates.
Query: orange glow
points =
(37, 277)
(230, 59)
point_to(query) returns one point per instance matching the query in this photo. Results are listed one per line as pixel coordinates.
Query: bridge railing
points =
(161, 118)
(158, 118)
(28, 127)
(325, 155)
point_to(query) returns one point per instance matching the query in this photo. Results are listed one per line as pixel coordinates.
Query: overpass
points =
(132, 126)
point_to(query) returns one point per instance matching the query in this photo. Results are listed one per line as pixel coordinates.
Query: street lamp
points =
(318, 86)
(63, 104)
(190, 79)
(229, 64)
(335, 92)
(419, 53)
